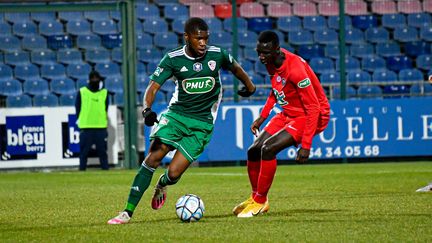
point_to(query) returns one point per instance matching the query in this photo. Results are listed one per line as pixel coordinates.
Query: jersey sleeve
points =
(271, 101)
(306, 92)
(163, 71)
(227, 59)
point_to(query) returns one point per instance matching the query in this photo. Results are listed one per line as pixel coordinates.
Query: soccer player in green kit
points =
(188, 124)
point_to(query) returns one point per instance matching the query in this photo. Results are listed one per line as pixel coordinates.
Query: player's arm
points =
(265, 112)
(241, 75)
(150, 94)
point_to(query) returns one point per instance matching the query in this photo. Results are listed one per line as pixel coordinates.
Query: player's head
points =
(196, 35)
(268, 46)
(94, 80)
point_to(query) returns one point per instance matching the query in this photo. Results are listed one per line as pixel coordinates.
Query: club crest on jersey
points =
(158, 71)
(212, 65)
(304, 83)
(278, 79)
(197, 67)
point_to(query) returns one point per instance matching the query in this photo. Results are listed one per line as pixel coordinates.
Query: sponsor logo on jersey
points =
(212, 65)
(197, 67)
(280, 97)
(198, 85)
(158, 71)
(278, 79)
(304, 83)
(184, 69)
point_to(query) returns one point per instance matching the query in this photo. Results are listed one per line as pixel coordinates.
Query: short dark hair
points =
(94, 74)
(269, 36)
(193, 24)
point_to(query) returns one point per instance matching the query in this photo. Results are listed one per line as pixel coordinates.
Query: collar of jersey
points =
(192, 58)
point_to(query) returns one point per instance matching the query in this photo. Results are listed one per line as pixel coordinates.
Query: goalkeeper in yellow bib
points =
(188, 124)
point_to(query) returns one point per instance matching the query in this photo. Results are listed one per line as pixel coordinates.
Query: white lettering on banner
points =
(255, 109)
(375, 132)
(400, 131)
(333, 130)
(427, 127)
(20, 138)
(73, 136)
(354, 129)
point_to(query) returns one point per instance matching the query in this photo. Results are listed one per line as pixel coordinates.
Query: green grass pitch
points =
(372, 202)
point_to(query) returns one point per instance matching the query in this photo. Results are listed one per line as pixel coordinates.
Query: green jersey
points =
(198, 86)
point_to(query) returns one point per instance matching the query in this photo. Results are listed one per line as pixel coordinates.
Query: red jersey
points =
(296, 88)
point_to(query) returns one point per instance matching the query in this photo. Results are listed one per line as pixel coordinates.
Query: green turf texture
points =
(371, 202)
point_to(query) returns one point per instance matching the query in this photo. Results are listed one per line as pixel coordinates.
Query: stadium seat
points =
(108, 69)
(328, 8)
(214, 24)
(330, 78)
(307, 51)
(241, 25)
(201, 11)
(51, 28)
(178, 26)
(105, 27)
(10, 87)
(222, 39)
(409, 6)
(392, 21)
(258, 25)
(362, 50)
(70, 16)
(5, 30)
(26, 71)
(326, 37)
(111, 41)
(416, 48)
(405, 34)
(278, 9)
(427, 6)
(248, 39)
(314, 23)
(152, 55)
(36, 87)
(419, 20)
(53, 71)
(97, 15)
(227, 79)
(16, 58)
(167, 40)
(333, 22)
(147, 11)
(354, 36)
(364, 21)
(396, 91)
(424, 62)
(6, 72)
(373, 63)
(333, 51)
(251, 10)
(256, 78)
(88, 42)
(43, 16)
(302, 37)
(116, 55)
(410, 75)
(59, 41)
(154, 26)
(224, 11)
(351, 92)
(288, 24)
(141, 68)
(34, 42)
(151, 67)
(69, 56)
(176, 11)
(352, 64)
(384, 75)
(384, 7)
(24, 29)
(376, 35)
(67, 100)
(369, 91)
(426, 33)
(17, 17)
(100, 55)
(142, 83)
(397, 63)
(322, 65)
(18, 101)
(49, 100)
(260, 68)
(78, 70)
(9, 44)
(114, 84)
(144, 41)
(78, 27)
(247, 63)
(356, 8)
(82, 82)
(358, 76)
(62, 86)
(43, 57)
(303, 9)
(387, 49)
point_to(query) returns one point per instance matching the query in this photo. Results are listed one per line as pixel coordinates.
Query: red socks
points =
(253, 168)
(265, 179)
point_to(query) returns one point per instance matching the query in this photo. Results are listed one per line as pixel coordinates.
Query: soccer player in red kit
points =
(306, 112)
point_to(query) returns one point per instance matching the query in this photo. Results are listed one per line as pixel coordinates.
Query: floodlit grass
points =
(308, 203)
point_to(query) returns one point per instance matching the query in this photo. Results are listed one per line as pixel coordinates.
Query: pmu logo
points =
(25, 135)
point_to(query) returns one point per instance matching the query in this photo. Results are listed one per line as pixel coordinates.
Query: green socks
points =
(164, 180)
(139, 186)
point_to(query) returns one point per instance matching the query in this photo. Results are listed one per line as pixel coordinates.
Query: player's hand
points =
(256, 125)
(150, 117)
(302, 155)
(244, 92)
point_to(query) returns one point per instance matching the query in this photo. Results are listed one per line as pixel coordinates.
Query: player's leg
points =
(85, 145)
(101, 139)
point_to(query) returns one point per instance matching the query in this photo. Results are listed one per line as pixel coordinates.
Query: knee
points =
(174, 175)
(254, 153)
(151, 162)
(268, 152)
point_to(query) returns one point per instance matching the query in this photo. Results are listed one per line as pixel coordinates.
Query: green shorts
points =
(189, 136)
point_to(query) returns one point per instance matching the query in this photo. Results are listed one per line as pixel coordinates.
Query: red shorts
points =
(294, 126)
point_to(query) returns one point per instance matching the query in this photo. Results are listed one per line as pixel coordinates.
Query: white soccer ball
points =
(190, 208)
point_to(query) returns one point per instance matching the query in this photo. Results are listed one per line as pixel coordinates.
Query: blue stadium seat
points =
(364, 21)
(288, 24)
(314, 23)
(78, 27)
(154, 26)
(18, 101)
(51, 28)
(142, 83)
(18, 17)
(36, 87)
(24, 29)
(222, 39)
(242, 24)
(256, 78)
(116, 55)
(144, 41)
(411, 75)
(111, 41)
(160, 98)
(358, 77)
(43, 57)
(417, 48)
(227, 79)
(10, 87)
(108, 69)
(152, 55)
(247, 39)
(49, 100)
(57, 42)
(351, 92)
(175, 11)
(326, 37)
(98, 56)
(228, 94)
(258, 25)
(330, 78)
(421, 89)
(396, 91)
(397, 63)
(362, 50)
(377, 35)
(333, 51)
(82, 82)
(392, 21)
(10, 43)
(97, 15)
(167, 40)
(114, 84)
(262, 93)
(151, 67)
(62, 86)
(426, 33)
(67, 100)
(70, 16)
(115, 14)
(354, 36)
(88, 42)
(247, 65)
(53, 71)
(215, 25)
(145, 12)
(26, 71)
(78, 70)
(322, 65)
(169, 86)
(419, 20)
(351, 64)
(302, 37)
(35, 42)
(16, 58)
(5, 30)
(306, 51)
(384, 75)
(141, 69)
(333, 22)
(373, 63)
(69, 56)
(424, 62)
(387, 49)
(6, 72)
(118, 99)
(405, 34)
(260, 68)
(43, 16)
(105, 27)
(369, 91)
(178, 26)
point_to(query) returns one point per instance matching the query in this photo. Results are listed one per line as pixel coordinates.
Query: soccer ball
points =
(190, 208)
